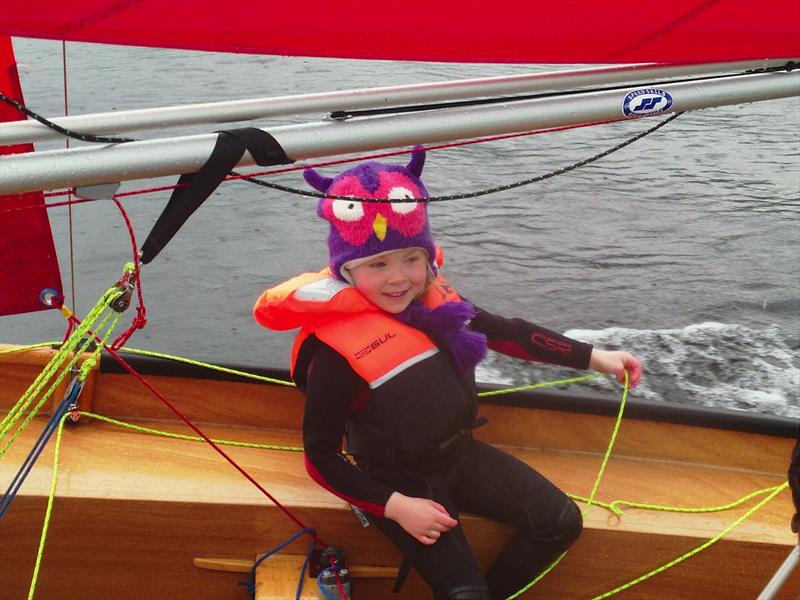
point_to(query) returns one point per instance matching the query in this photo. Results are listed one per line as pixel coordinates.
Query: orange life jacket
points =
(376, 345)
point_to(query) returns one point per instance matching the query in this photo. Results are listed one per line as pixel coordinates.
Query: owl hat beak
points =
(379, 226)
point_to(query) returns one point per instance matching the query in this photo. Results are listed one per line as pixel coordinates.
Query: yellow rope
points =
(614, 506)
(191, 438)
(538, 577)
(240, 373)
(49, 511)
(205, 365)
(23, 406)
(74, 340)
(774, 491)
(27, 397)
(535, 386)
(610, 446)
(596, 485)
(15, 349)
(777, 490)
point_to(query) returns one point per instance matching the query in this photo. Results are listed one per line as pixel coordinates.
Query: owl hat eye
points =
(358, 229)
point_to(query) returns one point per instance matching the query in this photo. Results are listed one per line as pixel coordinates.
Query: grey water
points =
(683, 248)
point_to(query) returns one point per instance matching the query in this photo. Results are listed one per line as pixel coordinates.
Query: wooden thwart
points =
(277, 576)
(276, 579)
(237, 565)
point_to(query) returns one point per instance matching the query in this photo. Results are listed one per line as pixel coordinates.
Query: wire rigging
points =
(371, 112)
(84, 137)
(475, 194)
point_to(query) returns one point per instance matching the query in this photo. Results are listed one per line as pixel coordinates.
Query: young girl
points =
(386, 356)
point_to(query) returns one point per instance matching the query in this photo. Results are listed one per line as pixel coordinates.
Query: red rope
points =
(67, 333)
(338, 582)
(50, 205)
(194, 428)
(140, 320)
(341, 588)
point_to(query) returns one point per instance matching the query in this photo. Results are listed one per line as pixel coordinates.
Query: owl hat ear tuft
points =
(317, 181)
(359, 230)
(417, 161)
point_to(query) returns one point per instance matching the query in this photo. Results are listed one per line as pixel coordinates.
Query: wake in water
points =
(706, 364)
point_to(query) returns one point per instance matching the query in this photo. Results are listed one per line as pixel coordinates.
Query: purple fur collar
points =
(448, 322)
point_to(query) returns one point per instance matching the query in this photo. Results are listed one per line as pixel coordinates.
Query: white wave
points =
(707, 364)
(713, 364)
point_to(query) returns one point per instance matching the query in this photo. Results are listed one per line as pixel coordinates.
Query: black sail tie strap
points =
(195, 188)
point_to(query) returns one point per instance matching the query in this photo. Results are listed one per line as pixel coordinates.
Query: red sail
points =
(28, 262)
(564, 32)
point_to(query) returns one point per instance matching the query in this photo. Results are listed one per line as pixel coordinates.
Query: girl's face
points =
(392, 280)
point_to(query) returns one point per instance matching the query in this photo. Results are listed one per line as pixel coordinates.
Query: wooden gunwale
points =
(155, 504)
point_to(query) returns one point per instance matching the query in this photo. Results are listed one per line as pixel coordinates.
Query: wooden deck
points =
(133, 510)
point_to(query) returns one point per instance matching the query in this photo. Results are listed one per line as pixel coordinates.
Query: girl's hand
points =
(606, 361)
(423, 519)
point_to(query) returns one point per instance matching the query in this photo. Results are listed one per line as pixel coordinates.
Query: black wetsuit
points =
(405, 436)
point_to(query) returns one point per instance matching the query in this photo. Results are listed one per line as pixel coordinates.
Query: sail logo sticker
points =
(646, 102)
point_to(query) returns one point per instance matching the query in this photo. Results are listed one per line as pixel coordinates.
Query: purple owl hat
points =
(360, 230)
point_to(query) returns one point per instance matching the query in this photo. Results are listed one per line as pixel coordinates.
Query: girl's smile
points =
(391, 281)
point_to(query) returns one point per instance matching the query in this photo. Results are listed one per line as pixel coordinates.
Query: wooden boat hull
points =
(133, 511)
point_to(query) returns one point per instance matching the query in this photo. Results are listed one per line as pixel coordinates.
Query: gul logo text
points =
(374, 345)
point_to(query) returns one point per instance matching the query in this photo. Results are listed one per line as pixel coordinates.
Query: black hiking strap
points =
(227, 152)
(412, 550)
(409, 558)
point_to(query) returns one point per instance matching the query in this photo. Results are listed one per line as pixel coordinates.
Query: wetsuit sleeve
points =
(332, 386)
(521, 339)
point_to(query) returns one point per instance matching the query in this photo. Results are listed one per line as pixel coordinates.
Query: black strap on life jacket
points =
(195, 188)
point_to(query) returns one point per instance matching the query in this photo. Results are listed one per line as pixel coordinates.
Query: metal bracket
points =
(122, 302)
(98, 191)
